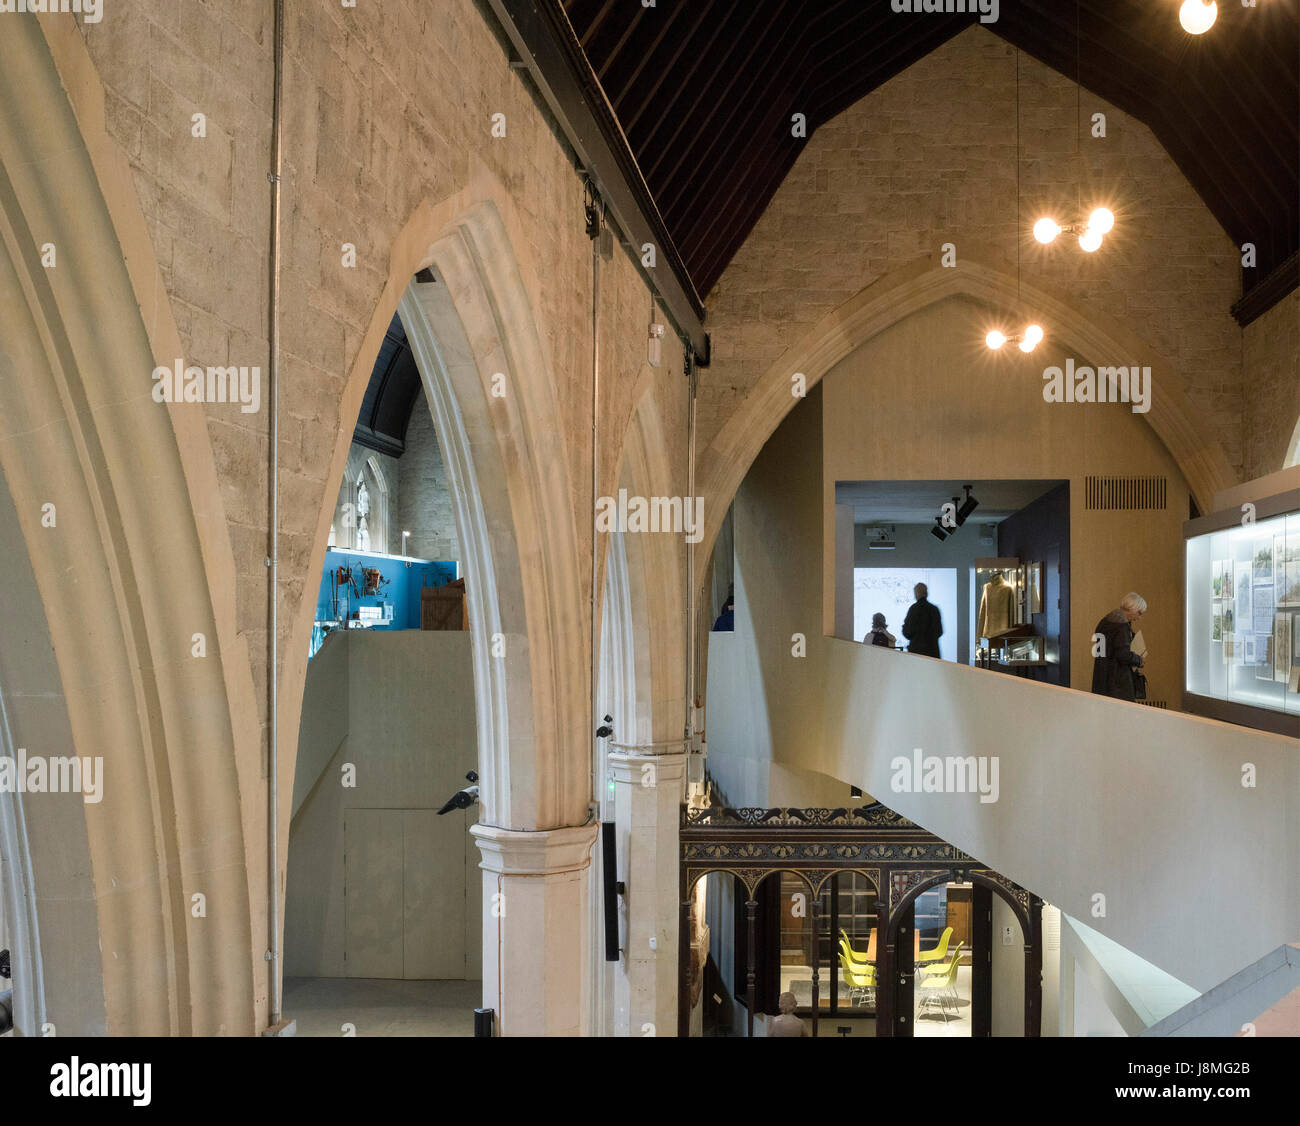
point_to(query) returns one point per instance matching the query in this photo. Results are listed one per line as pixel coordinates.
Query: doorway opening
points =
(383, 922)
(1015, 536)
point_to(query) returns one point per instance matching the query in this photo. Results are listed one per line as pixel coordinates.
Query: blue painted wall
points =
(405, 578)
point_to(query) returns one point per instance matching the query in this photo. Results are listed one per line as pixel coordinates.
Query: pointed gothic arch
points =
(908, 290)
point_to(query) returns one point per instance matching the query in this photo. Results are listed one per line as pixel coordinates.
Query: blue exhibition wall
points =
(405, 578)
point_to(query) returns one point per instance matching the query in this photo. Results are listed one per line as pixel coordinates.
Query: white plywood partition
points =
(372, 892)
(378, 884)
(1095, 797)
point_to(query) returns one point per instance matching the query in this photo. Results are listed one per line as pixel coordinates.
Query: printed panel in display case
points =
(1243, 613)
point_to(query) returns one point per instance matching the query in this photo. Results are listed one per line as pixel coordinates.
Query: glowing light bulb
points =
(1033, 334)
(1102, 221)
(1045, 230)
(1198, 16)
(995, 339)
(1027, 345)
(1090, 240)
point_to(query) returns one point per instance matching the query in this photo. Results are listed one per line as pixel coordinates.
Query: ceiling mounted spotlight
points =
(970, 504)
(1100, 222)
(1027, 340)
(938, 530)
(1198, 16)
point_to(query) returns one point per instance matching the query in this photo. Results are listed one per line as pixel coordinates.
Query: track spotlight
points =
(938, 530)
(969, 505)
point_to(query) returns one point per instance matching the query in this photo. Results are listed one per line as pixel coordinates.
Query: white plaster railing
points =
(1200, 874)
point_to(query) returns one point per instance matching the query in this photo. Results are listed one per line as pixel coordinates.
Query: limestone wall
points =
(930, 158)
(383, 111)
(1272, 388)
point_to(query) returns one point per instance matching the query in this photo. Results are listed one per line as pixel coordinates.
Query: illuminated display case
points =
(1243, 614)
(997, 614)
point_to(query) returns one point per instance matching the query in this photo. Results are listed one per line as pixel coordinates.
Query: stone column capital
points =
(543, 852)
(626, 765)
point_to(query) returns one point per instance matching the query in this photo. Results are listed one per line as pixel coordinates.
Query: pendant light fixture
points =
(1102, 219)
(1027, 340)
(1198, 16)
(1033, 334)
(1100, 222)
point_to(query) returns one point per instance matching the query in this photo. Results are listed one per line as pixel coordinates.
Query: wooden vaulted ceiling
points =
(704, 91)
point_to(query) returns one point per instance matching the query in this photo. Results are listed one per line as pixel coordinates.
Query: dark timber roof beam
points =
(541, 33)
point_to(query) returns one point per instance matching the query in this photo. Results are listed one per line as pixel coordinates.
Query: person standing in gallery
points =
(923, 625)
(880, 634)
(1114, 661)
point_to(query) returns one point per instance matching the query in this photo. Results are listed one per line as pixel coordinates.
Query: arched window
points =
(372, 507)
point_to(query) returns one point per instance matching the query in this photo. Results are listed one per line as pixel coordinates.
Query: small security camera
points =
(462, 799)
(606, 729)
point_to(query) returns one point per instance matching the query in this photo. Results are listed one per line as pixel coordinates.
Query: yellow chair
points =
(854, 956)
(861, 980)
(941, 971)
(939, 985)
(936, 955)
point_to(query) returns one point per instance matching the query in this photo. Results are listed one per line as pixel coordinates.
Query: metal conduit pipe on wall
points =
(595, 222)
(273, 560)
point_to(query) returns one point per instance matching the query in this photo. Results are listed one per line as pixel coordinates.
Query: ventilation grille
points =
(1154, 703)
(1126, 493)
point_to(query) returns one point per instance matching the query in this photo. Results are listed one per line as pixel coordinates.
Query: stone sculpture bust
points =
(787, 1024)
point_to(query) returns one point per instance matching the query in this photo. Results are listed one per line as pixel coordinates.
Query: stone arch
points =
(907, 290)
(621, 639)
(653, 565)
(378, 526)
(1293, 449)
(485, 375)
(136, 564)
(364, 466)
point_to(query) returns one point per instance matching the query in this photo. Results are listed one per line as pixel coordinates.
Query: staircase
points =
(1133, 820)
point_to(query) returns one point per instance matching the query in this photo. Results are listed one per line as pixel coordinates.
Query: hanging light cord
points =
(1017, 52)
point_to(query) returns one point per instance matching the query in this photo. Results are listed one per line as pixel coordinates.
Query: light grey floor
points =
(322, 1006)
(952, 1020)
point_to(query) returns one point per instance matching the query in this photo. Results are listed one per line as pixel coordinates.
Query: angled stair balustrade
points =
(1172, 835)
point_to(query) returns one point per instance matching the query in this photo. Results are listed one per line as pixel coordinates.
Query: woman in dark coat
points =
(1112, 668)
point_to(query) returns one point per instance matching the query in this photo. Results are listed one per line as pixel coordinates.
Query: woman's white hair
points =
(1134, 602)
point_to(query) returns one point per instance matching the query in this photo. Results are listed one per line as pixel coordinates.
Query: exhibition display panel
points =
(1243, 614)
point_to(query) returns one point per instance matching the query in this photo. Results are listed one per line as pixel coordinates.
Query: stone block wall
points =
(931, 157)
(1272, 388)
(385, 108)
(424, 505)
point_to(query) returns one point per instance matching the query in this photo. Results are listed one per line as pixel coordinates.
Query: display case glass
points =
(1017, 650)
(1243, 614)
(999, 588)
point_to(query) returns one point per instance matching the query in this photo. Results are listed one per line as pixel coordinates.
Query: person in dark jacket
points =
(1114, 660)
(923, 625)
(726, 622)
(880, 634)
